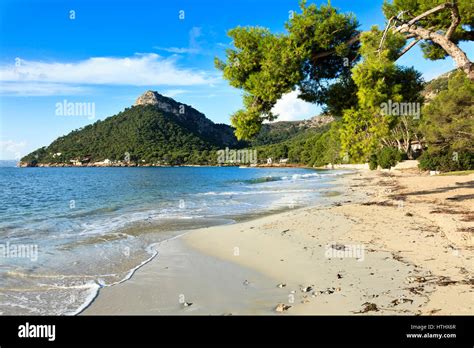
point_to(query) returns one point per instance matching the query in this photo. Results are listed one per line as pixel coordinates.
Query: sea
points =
(65, 233)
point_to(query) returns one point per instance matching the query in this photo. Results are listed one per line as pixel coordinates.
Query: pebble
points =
(281, 307)
(412, 279)
(328, 291)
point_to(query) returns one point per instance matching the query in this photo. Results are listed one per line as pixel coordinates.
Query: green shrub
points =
(446, 161)
(373, 164)
(388, 157)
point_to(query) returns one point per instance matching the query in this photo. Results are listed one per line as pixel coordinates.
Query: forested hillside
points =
(140, 134)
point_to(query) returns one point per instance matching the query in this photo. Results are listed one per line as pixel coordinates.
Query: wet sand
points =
(180, 276)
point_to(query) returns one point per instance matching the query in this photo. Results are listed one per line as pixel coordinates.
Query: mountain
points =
(156, 130)
(432, 88)
(191, 119)
(277, 132)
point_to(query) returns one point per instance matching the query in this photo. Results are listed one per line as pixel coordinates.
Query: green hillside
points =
(145, 133)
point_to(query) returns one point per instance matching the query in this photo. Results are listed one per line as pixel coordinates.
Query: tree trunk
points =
(399, 145)
(459, 57)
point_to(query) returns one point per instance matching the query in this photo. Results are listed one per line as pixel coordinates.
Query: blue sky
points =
(113, 51)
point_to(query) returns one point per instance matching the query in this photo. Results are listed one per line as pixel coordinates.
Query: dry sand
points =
(391, 243)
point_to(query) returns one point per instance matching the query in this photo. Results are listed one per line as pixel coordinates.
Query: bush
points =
(373, 164)
(388, 157)
(446, 161)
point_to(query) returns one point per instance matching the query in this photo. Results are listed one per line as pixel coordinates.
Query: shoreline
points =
(147, 165)
(411, 264)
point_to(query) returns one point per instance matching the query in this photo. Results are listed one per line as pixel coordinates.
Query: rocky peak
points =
(317, 121)
(189, 117)
(149, 97)
(160, 101)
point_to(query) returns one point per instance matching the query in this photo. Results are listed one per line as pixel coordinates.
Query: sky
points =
(107, 53)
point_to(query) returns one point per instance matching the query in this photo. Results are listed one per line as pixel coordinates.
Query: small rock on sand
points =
(369, 307)
(328, 291)
(281, 307)
(412, 279)
(397, 301)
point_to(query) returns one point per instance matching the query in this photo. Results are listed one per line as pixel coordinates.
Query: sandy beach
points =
(390, 243)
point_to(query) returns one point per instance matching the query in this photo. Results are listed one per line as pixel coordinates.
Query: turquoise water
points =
(91, 227)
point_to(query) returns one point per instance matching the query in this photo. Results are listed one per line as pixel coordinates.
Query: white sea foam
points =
(93, 293)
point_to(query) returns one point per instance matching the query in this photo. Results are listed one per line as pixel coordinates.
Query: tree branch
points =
(408, 47)
(456, 19)
(412, 31)
(349, 42)
(427, 13)
(382, 40)
(411, 22)
(458, 55)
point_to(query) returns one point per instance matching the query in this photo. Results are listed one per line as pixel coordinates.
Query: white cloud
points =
(139, 70)
(10, 149)
(290, 108)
